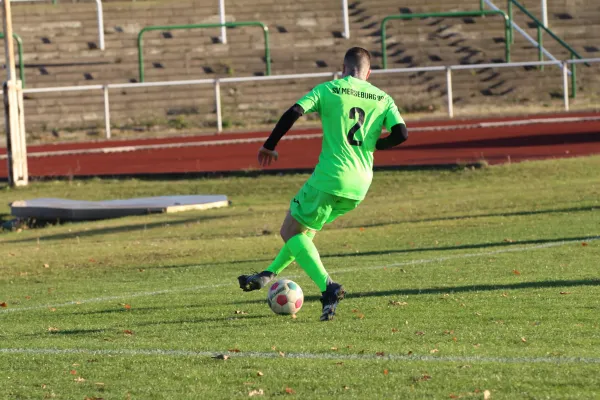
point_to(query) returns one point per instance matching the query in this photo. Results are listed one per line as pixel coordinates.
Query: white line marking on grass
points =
(307, 356)
(405, 263)
(111, 298)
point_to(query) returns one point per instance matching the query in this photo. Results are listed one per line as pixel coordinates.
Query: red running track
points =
(495, 144)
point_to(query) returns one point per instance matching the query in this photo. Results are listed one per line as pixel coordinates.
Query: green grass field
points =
(462, 284)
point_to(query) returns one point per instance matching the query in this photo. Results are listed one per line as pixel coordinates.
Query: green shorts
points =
(314, 208)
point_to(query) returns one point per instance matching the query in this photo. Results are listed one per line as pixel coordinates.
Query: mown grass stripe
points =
(400, 264)
(305, 356)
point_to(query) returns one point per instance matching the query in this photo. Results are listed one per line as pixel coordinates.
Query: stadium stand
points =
(61, 49)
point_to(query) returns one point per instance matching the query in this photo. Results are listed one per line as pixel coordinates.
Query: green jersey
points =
(353, 113)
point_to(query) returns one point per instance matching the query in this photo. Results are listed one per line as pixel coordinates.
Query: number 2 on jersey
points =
(354, 113)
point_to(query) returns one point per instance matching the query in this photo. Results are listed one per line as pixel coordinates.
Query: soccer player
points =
(352, 113)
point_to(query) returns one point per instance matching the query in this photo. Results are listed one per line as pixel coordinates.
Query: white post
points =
(222, 19)
(565, 71)
(13, 110)
(100, 24)
(218, 105)
(106, 112)
(450, 94)
(545, 13)
(346, 33)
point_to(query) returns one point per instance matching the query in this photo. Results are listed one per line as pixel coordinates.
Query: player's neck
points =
(355, 76)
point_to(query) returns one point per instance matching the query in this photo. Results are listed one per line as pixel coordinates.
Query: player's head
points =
(357, 63)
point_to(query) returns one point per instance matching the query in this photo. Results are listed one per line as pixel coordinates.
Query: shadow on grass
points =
(399, 251)
(457, 289)
(462, 247)
(119, 229)
(471, 216)
(138, 310)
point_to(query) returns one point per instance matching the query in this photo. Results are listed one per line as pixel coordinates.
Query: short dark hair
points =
(358, 58)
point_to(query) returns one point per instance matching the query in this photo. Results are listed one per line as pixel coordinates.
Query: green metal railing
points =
(203, 26)
(20, 50)
(460, 14)
(540, 29)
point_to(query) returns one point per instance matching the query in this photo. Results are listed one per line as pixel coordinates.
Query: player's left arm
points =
(398, 135)
(395, 125)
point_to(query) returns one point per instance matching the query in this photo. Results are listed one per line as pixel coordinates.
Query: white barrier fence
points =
(333, 75)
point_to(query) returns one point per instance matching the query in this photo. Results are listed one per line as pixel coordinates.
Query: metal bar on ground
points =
(545, 13)
(222, 20)
(100, 15)
(565, 71)
(106, 112)
(346, 18)
(218, 106)
(450, 93)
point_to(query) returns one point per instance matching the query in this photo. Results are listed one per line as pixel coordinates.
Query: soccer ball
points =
(285, 297)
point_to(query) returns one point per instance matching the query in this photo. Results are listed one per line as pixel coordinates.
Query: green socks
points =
(303, 249)
(285, 258)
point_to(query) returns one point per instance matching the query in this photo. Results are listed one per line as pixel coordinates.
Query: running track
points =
(430, 144)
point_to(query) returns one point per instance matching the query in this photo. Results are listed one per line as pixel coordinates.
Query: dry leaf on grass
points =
(487, 395)
(234, 350)
(289, 390)
(128, 332)
(73, 372)
(240, 312)
(346, 387)
(258, 373)
(565, 292)
(394, 330)
(258, 392)
(584, 244)
(281, 354)
(419, 333)
(339, 363)
(52, 329)
(127, 307)
(385, 372)
(79, 379)
(434, 351)
(422, 378)
(46, 266)
(516, 272)
(398, 303)
(380, 354)
(523, 340)
(334, 348)
(221, 357)
(3, 305)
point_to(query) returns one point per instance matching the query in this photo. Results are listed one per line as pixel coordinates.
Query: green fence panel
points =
(540, 27)
(203, 26)
(460, 14)
(20, 50)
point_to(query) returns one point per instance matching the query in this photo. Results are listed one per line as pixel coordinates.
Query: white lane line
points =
(306, 356)
(341, 271)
